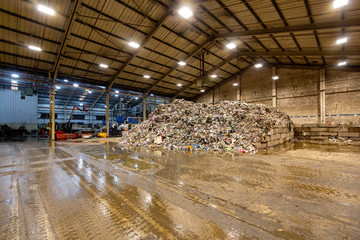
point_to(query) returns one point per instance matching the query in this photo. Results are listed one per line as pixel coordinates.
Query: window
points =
(78, 117)
(46, 116)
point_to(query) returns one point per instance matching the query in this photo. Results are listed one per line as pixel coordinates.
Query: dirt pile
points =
(229, 126)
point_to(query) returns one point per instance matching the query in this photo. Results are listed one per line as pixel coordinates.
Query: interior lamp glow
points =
(134, 44)
(339, 3)
(231, 45)
(259, 65)
(46, 10)
(341, 40)
(185, 12)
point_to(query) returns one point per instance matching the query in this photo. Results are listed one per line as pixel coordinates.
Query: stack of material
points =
(231, 126)
(328, 131)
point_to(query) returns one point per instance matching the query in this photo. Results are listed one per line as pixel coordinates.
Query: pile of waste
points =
(225, 126)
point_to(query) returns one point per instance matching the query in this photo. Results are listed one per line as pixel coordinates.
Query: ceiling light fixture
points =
(182, 63)
(213, 76)
(81, 104)
(116, 95)
(103, 65)
(341, 40)
(136, 98)
(259, 65)
(146, 76)
(65, 80)
(202, 90)
(235, 84)
(185, 12)
(57, 87)
(45, 10)
(342, 63)
(231, 45)
(275, 77)
(14, 75)
(89, 91)
(179, 85)
(339, 3)
(76, 85)
(116, 91)
(134, 44)
(35, 48)
(13, 81)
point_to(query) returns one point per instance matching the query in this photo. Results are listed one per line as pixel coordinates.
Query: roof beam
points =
(303, 52)
(306, 27)
(207, 72)
(197, 50)
(149, 36)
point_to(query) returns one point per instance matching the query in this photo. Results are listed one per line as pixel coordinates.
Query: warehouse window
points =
(100, 117)
(46, 116)
(78, 117)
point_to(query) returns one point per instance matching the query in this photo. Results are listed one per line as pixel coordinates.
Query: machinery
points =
(67, 133)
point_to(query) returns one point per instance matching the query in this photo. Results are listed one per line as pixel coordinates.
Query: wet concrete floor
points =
(97, 190)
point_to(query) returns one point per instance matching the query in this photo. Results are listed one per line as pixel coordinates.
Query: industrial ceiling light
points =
(179, 85)
(76, 85)
(14, 75)
(275, 77)
(343, 63)
(46, 10)
(202, 90)
(259, 65)
(146, 76)
(35, 48)
(13, 81)
(134, 44)
(65, 80)
(57, 87)
(339, 3)
(81, 104)
(103, 65)
(89, 91)
(213, 76)
(116, 95)
(182, 63)
(231, 45)
(235, 84)
(117, 91)
(136, 98)
(341, 40)
(151, 94)
(185, 12)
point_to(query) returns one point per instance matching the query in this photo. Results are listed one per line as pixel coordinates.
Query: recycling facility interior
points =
(87, 88)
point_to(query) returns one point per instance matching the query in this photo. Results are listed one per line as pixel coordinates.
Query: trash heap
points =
(227, 126)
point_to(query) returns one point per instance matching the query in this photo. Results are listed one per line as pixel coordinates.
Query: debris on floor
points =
(225, 126)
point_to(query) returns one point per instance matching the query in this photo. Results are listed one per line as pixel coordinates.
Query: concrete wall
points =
(298, 93)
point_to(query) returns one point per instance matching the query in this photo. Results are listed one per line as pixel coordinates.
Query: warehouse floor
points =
(96, 190)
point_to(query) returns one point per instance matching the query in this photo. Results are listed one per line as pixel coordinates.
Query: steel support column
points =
(322, 96)
(144, 108)
(107, 113)
(274, 93)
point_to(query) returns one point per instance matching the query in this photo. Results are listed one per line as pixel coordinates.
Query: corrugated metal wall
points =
(13, 109)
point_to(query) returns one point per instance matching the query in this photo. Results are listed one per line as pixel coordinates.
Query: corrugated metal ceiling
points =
(102, 29)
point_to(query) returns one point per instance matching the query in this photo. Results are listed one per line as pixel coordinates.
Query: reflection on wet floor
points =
(101, 191)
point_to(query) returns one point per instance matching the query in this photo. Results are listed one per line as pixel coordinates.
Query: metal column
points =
(322, 96)
(274, 93)
(107, 113)
(144, 108)
(238, 90)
